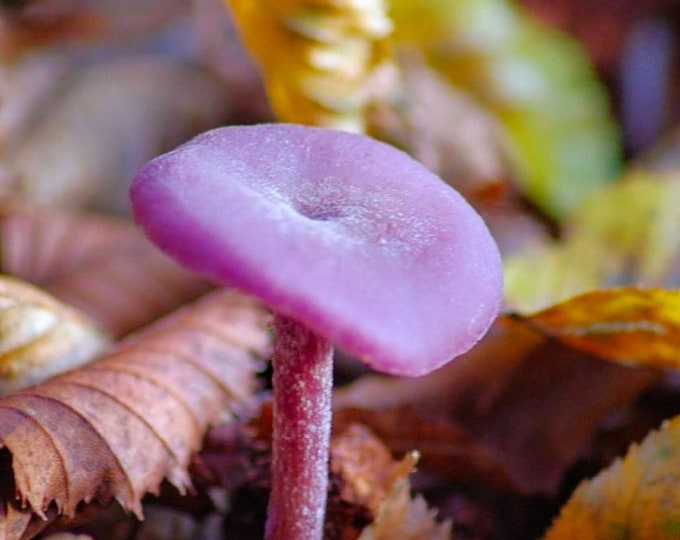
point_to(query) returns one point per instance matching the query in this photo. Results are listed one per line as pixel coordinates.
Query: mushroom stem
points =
(303, 380)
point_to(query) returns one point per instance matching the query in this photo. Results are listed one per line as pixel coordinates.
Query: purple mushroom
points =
(350, 242)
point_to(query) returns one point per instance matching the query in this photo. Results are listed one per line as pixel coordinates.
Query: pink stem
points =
(303, 380)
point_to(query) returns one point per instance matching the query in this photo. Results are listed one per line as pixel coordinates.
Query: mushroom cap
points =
(347, 235)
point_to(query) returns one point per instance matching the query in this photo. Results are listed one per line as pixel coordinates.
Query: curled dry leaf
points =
(372, 478)
(320, 60)
(42, 246)
(117, 427)
(18, 524)
(367, 467)
(102, 265)
(406, 518)
(40, 337)
(627, 325)
(636, 497)
(111, 117)
(122, 294)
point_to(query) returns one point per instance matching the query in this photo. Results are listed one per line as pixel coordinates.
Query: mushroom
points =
(350, 242)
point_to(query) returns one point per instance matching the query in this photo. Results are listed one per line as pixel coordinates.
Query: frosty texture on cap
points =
(345, 234)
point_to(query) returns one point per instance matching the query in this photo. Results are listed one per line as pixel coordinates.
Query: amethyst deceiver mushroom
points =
(349, 242)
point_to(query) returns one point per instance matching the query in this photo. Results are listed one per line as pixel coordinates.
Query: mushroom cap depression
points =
(345, 234)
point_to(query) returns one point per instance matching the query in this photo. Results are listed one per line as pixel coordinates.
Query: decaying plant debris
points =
(560, 423)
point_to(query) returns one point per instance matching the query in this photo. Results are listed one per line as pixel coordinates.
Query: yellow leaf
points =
(636, 498)
(628, 325)
(624, 234)
(39, 336)
(319, 58)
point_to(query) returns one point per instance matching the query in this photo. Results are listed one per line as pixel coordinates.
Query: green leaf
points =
(538, 81)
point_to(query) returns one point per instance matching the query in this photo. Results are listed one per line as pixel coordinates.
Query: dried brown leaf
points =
(56, 21)
(562, 398)
(231, 457)
(118, 427)
(161, 522)
(454, 136)
(30, 25)
(372, 478)
(220, 46)
(602, 26)
(40, 337)
(477, 377)
(109, 119)
(367, 466)
(444, 128)
(446, 446)
(102, 265)
(406, 518)
(24, 86)
(68, 536)
(17, 524)
(42, 245)
(364, 479)
(534, 404)
(124, 293)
